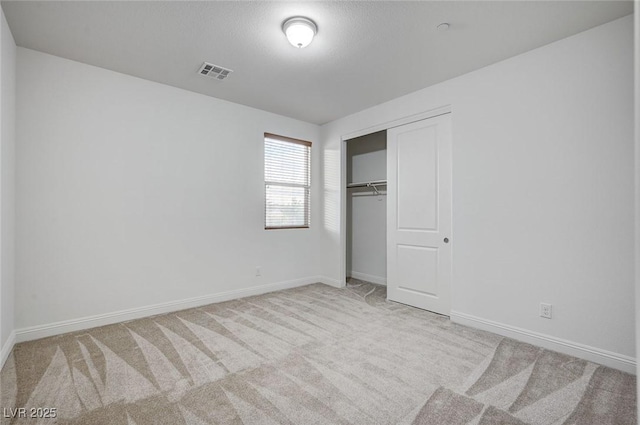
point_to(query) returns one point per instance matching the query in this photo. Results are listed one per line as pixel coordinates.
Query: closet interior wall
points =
(366, 210)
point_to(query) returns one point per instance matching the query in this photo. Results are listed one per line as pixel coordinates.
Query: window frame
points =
(307, 201)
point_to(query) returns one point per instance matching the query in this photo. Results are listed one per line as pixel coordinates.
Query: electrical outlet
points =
(258, 271)
(545, 310)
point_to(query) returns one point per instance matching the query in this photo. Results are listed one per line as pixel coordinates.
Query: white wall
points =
(132, 193)
(367, 214)
(7, 183)
(542, 189)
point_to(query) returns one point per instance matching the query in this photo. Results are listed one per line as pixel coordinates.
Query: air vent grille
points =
(214, 71)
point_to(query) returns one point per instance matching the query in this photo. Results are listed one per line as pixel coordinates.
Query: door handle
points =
(446, 240)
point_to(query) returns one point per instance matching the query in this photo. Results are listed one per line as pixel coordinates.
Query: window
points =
(286, 181)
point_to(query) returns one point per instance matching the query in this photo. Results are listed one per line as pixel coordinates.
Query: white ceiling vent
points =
(214, 71)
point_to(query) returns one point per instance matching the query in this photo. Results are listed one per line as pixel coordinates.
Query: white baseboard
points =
(6, 348)
(331, 282)
(596, 355)
(369, 278)
(43, 331)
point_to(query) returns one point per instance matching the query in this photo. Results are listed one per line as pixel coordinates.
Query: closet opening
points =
(396, 215)
(366, 211)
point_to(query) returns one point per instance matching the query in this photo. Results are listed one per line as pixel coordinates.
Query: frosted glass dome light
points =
(299, 31)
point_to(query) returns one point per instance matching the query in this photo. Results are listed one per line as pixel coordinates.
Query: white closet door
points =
(419, 214)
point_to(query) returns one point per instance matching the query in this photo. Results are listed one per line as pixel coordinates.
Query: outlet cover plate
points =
(545, 310)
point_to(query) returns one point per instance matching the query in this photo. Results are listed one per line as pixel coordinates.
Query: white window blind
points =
(287, 175)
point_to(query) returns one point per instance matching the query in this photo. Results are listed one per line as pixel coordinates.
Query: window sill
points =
(286, 227)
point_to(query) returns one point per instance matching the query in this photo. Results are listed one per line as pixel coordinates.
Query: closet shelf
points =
(371, 183)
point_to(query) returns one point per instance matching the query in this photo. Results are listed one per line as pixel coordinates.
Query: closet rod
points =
(368, 184)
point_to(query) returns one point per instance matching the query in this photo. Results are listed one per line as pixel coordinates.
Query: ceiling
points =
(365, 52)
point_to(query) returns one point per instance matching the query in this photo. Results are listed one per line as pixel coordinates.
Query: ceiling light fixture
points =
(299, 31)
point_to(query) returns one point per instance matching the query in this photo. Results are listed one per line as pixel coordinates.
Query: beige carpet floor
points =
(310, 355)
